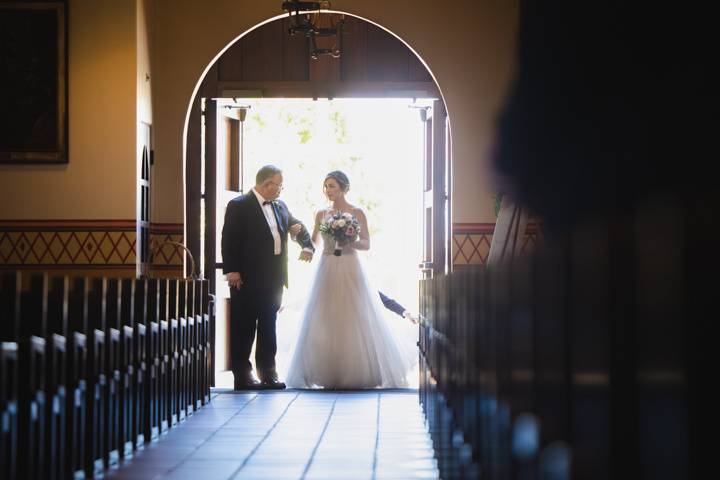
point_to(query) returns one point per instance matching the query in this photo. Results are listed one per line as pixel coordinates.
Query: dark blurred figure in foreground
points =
(613, 103)
(609, 136)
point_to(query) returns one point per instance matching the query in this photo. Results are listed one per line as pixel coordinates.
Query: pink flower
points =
(350, 231)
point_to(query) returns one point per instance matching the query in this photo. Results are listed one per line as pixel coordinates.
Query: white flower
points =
(341, 223)
(347, 215)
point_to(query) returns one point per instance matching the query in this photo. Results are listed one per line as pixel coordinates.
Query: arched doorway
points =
(266, 62)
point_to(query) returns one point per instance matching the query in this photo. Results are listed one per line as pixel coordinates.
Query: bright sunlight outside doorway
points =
(377, 143)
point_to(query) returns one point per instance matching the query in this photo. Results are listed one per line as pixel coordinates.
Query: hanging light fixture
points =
(308, 19)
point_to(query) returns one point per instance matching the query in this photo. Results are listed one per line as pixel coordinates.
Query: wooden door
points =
(436, 191)
(223, 181)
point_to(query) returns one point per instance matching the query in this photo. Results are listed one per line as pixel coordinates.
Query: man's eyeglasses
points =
(278, 185)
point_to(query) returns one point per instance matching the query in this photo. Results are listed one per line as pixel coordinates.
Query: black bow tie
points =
(267, 202)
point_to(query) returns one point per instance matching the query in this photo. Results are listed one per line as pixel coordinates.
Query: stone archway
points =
(374, 63)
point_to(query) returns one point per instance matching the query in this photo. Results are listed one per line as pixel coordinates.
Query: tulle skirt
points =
(344, 341)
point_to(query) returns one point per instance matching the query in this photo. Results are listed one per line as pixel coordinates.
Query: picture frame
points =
(33, 71)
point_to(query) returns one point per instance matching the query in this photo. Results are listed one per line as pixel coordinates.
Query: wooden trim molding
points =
(66, 225)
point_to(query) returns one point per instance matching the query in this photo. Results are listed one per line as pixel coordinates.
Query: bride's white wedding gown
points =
(344, 341)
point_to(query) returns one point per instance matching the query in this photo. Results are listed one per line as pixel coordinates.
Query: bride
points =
(344, 341)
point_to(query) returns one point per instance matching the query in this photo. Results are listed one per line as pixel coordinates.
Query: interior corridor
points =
(293, 434)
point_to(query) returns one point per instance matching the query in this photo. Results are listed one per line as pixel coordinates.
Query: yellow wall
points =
(468, 46)
(145, 11)
(98, 182)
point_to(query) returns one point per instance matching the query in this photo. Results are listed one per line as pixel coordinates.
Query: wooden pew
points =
(91, 369)
(33, 362)
(97, 382)
(8, 409)
(126, 316)
(153, 399)
(206, 333)
(577, 361)
(10, 287)
(194, 343)
(56, 379)
(9, 370)
(165, 381)
(668, 333)
(590, 338)
(77, 377)
(173, 353)
(112, 372)
(181, 348)
(140, 363)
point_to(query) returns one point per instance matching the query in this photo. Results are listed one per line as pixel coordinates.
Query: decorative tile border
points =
(168, 257)
(84, 244)
(471, 242)
(111, 244)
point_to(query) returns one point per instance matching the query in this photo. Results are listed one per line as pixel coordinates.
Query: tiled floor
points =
(294, 434)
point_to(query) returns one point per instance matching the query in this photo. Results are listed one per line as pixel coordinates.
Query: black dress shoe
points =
(273, 385)
(247, 382)
(270, 381)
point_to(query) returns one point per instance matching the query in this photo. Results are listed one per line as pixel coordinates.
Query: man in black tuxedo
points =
(254, 251)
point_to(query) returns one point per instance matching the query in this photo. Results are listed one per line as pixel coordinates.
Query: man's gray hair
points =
(266, 173)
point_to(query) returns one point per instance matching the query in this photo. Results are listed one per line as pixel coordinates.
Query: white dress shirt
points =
(271, 221)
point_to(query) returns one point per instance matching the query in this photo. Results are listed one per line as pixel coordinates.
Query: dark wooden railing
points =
(579, 361)
(93, 368)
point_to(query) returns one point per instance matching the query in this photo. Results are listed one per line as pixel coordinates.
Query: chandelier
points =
(309, 20)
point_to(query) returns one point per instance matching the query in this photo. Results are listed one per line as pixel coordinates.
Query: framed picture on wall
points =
(33, 82)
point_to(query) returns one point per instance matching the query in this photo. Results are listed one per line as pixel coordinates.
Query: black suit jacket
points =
(247, 244)
(391, 304)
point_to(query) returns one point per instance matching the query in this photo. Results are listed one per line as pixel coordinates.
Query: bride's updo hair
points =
(341, 178)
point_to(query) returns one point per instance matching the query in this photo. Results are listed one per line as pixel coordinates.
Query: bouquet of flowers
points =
(343, 227)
